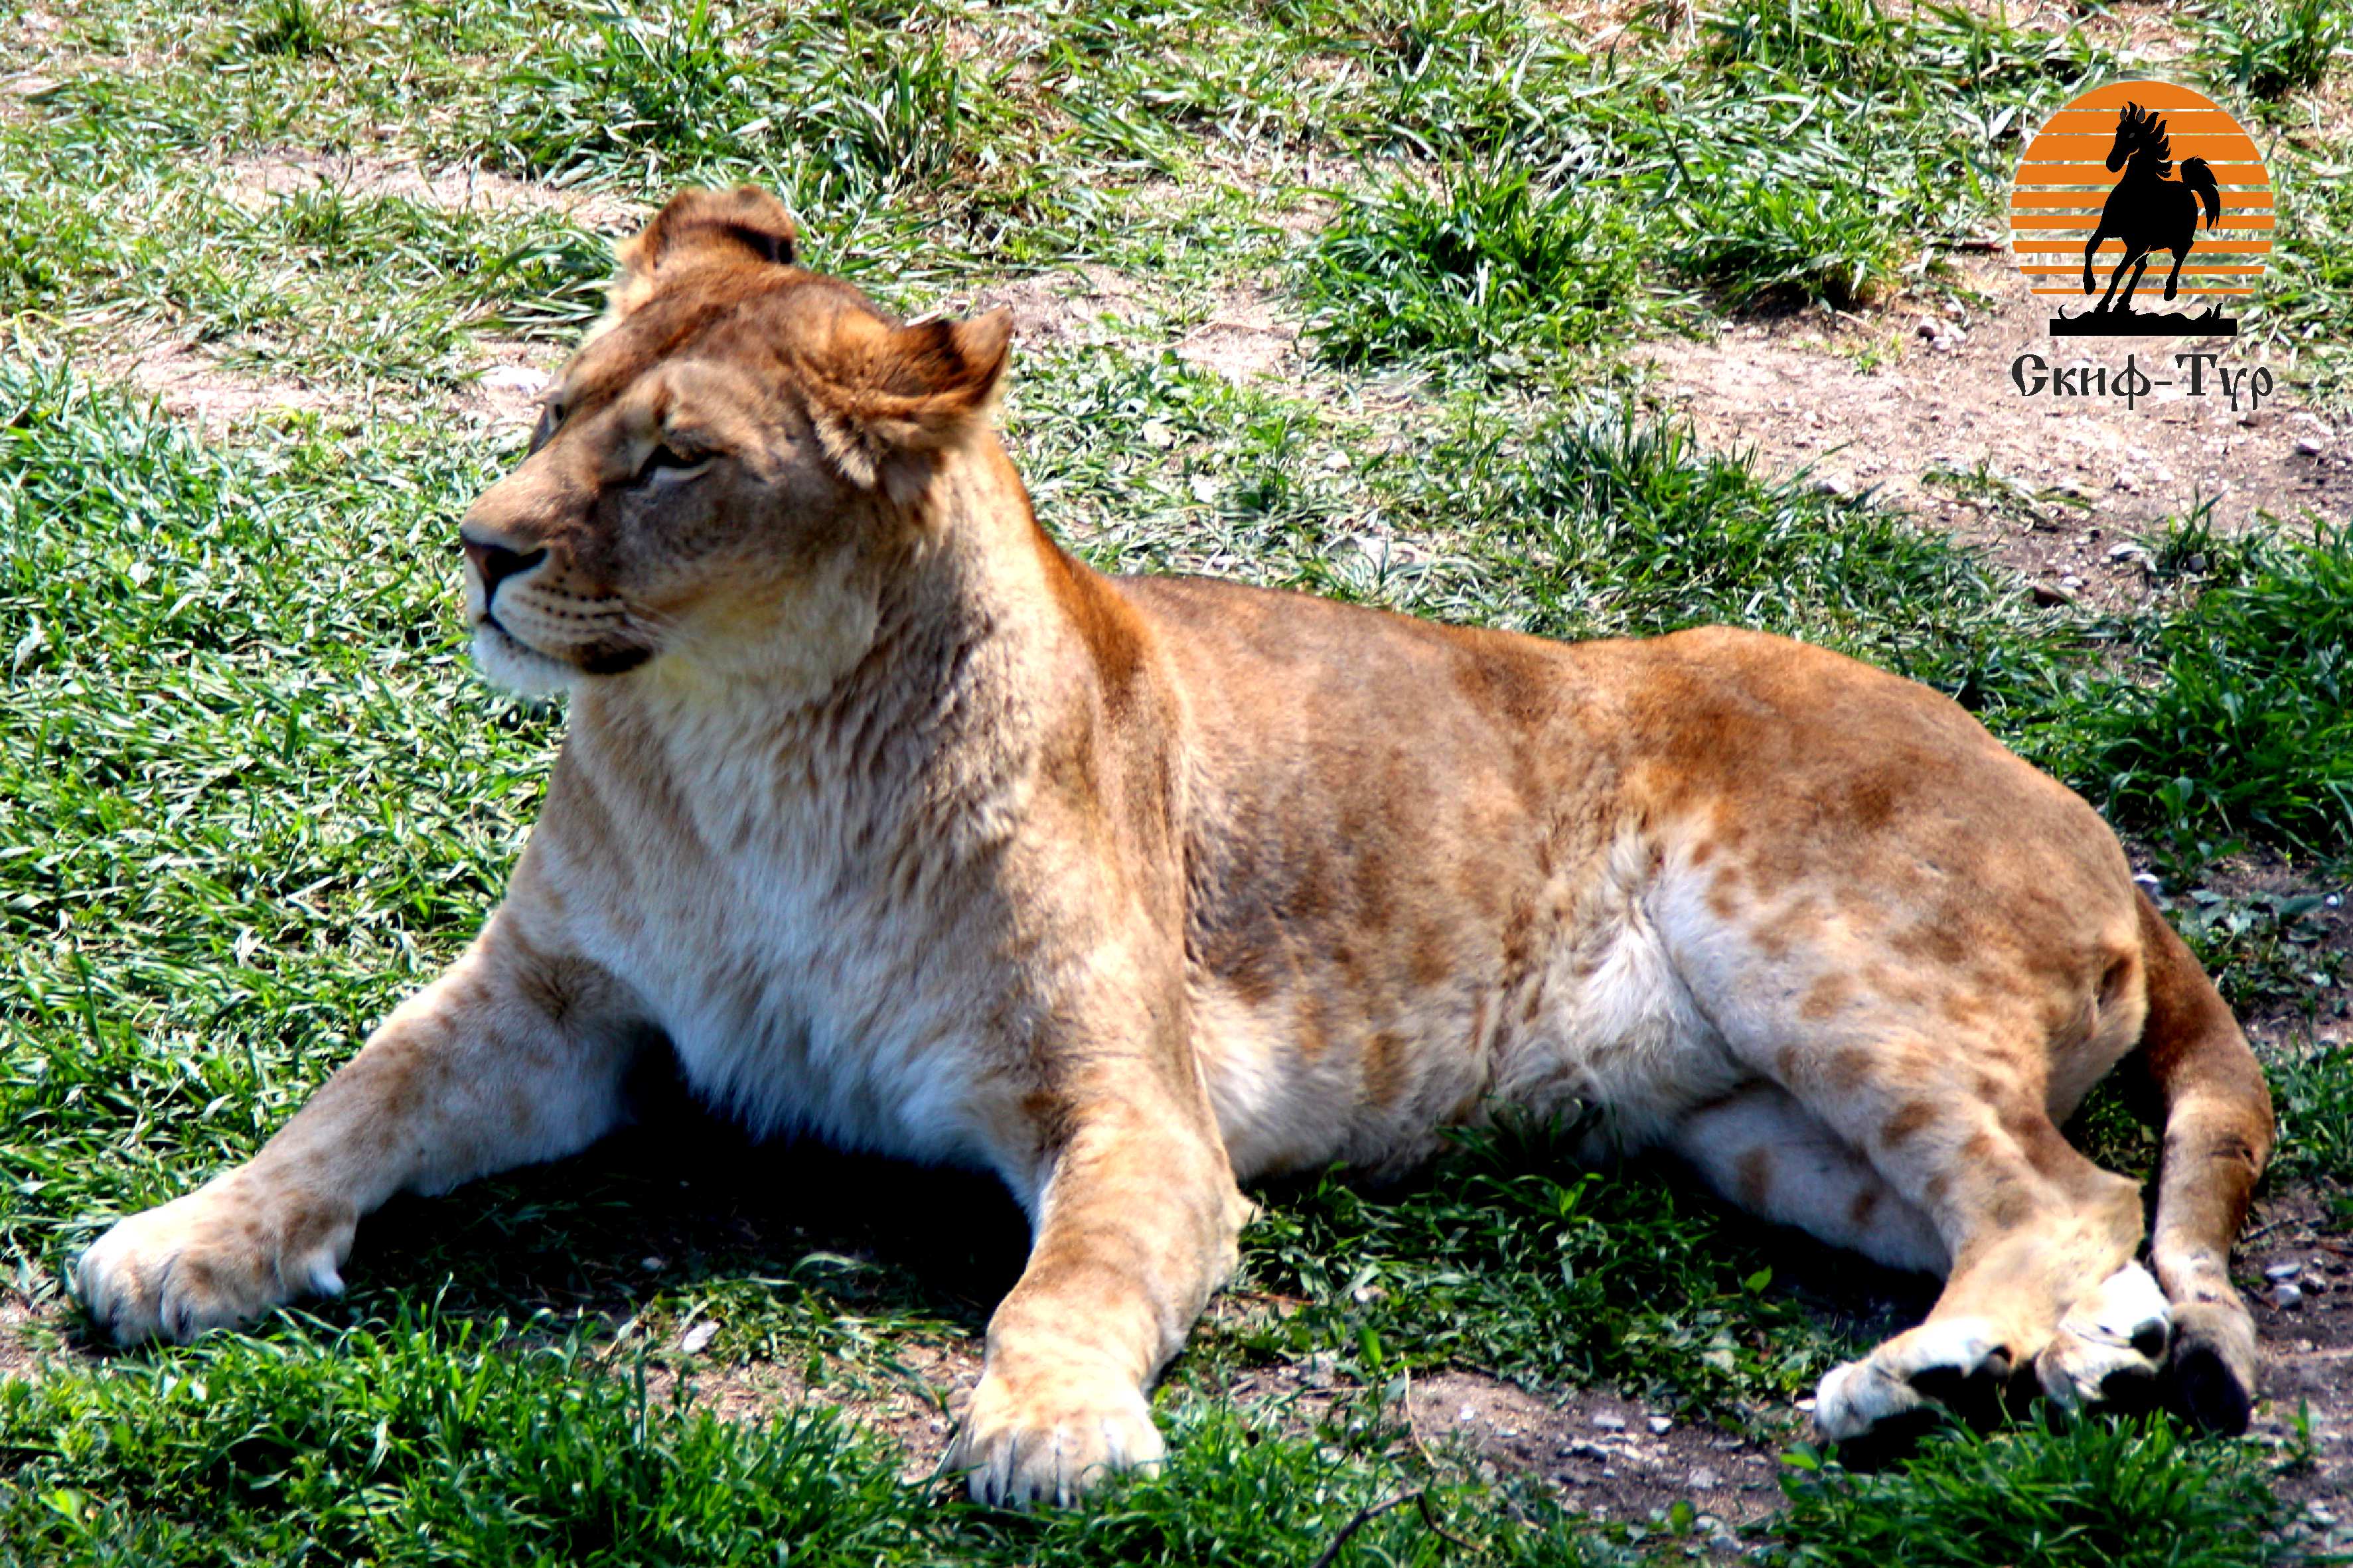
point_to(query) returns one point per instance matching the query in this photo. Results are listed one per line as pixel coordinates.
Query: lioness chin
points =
(904, 829)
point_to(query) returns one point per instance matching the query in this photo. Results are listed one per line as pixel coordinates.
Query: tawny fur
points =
(906, 830)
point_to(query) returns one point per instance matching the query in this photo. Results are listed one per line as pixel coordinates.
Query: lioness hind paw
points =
(1956, 1364)
(2109, 1349)
(2213, 1364)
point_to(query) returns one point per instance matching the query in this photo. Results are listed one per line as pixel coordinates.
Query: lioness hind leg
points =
(1765, 1151)
(2041, 1240)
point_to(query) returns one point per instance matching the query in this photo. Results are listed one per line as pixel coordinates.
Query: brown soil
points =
(915, 1412)
(19, 1351)
(2068, 484)
(2307, 1357)
(1609, 1457)
(190, 384)
(255, 182)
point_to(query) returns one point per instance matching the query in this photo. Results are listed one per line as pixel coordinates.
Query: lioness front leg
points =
(1136, 1226)
(509, 1057)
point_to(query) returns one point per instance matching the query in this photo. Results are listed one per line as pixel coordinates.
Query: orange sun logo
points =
(2142, 192)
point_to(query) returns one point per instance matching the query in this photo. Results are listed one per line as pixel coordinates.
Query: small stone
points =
(1704, 1479)
(2286, 1297)
(1661, 1425)
(698, 1338)
(1468, 1413)
(2126, 481)
(519, 378)
(2288, 1269)
(2070, 582)
(1333, 462)
(652, 1265)
(2310, 445)
(2049, 594)
(1926, 329)
(1609, 1423)
(1831, 485)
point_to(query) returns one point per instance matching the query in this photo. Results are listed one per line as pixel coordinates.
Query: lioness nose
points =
(496, 563)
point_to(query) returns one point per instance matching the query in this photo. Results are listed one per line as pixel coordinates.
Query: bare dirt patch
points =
(1083, 306)
(1611, 1457)
(18, 1355)
(2297, 1265)
(915, 1411)
(191, 385)
(1246, 333)
(256, 182)
(1249, 334)
(1918, 405)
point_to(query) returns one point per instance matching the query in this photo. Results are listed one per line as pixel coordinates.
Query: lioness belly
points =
(1591, 1024)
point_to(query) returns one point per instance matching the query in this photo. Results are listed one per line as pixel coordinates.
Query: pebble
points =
(2310, 445)
(1704, 1479)
(514, 378)
(1661, 1425)
(1609, 1423)
(652, 1265)
(699, 1337)
(1831, 485)
(2288, 1270)
(2285, 1297)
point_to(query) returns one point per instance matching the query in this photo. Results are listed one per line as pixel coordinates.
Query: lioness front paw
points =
(1052, 1439)
(217, 1256)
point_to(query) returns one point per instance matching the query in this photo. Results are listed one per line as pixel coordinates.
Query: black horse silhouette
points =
(2148, 211)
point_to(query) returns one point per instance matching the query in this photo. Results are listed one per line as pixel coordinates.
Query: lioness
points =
(906, 830)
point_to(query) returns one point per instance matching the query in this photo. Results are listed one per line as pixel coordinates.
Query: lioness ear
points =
(891, 396)
(746, 224)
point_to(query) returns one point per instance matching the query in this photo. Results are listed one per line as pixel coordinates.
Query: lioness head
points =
(719, 471)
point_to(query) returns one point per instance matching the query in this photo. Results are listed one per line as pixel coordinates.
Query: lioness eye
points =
(551, 416)
(668, 460)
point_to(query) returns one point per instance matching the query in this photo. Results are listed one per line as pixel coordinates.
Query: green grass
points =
(1491, 265)
(2246, 727)
(2273, 48)
(2100, 1495)
(1505, 1260)
(409, 1444)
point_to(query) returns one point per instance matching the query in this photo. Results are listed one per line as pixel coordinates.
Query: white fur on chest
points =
(801, 990)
